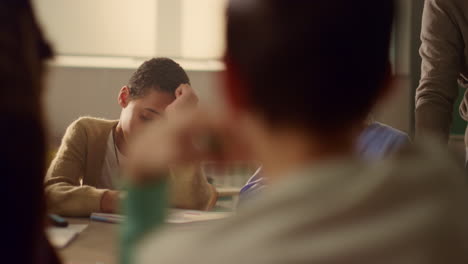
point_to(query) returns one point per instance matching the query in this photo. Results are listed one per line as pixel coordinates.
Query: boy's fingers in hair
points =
(185, 99)
(179, 91)
(189, 95)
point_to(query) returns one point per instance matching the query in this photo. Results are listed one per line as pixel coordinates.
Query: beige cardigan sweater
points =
(73, 180)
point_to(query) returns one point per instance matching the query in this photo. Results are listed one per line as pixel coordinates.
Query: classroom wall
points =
(143, 28)
(103, 27)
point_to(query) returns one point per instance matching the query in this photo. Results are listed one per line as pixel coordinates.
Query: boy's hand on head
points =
(186, 100)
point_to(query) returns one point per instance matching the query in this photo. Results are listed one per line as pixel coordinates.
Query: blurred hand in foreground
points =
(186, 137)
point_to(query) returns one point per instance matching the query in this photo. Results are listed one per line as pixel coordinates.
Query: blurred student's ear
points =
(124, 96)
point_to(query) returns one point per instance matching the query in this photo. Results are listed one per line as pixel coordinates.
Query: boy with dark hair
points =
(302, 77)
(83, 176)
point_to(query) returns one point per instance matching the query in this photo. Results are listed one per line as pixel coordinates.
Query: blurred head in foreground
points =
(23, 51)
(293, 66)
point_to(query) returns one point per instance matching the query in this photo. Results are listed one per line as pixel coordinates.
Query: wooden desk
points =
(97, 244)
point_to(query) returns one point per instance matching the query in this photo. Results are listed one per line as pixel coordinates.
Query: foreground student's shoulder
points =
(439, 188)
(425, 149)
(429, 157)
(434, 172)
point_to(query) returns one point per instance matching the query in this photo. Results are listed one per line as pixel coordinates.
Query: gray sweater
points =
(444, 59)
(408, 209)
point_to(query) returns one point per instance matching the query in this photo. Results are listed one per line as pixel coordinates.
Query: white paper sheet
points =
(60, 237)
(177, 216)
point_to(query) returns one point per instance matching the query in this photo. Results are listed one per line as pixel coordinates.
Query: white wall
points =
(100, 27)
(203, 27)
(144, 28)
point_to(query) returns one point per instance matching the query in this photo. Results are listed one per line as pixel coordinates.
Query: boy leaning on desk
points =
(85, 174)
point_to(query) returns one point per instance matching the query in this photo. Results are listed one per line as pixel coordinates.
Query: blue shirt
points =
(379, 140)
(376, 142)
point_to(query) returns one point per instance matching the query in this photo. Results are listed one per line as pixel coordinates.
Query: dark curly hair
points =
(161, 74)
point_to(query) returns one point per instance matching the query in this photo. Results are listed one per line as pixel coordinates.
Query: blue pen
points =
(105, 219)
(57, 220)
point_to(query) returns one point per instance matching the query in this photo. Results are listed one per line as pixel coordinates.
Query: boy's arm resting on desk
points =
(65, 194)
(189, 189)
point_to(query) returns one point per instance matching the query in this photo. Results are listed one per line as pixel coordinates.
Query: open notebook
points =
(175, 216)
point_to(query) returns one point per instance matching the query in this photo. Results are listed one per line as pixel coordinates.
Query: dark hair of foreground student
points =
(329, 71)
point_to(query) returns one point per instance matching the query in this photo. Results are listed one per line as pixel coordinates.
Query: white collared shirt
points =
(110, 168)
